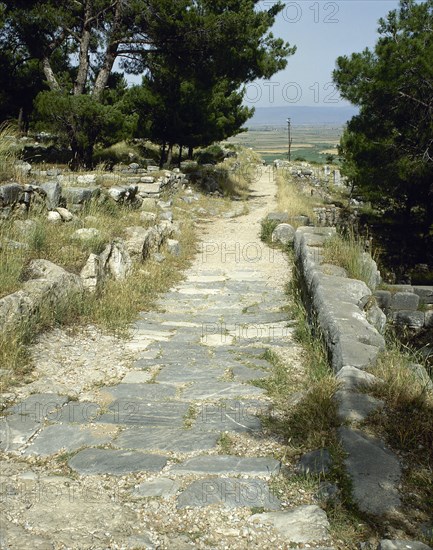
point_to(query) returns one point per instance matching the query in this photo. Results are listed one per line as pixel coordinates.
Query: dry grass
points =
(240, 172)
(347, 252)
(112, 307)
(408, 423)
(310, 422)
(8, 151)
(292, 199)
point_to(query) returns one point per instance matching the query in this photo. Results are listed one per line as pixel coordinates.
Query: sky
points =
(322, 31)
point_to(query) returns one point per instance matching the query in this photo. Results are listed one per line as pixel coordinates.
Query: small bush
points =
(211, 155)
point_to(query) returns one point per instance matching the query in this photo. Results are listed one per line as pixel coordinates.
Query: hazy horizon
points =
(276, 117)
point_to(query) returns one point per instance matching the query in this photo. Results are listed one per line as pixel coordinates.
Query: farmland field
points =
(312, 143)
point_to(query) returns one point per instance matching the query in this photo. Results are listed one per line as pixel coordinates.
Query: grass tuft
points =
(9, 135)
(266, 229)
(348, 252)
(292, 199)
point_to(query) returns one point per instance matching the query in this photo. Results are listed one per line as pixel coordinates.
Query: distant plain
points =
(312, 143)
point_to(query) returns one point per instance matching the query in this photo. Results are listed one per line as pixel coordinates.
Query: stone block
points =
(316, 462)
(10, 193)
(283, 233)
(53, 192)
(411, 319)
(425, 294)
(80, 195)
(355, 407)
(402, 545)
(280, 217)
(353, 378)
(374, 470)
(383, 298)
(304, 524)
(407, 301)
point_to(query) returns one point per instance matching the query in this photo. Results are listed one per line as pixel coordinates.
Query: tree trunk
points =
(162, 157)
(190, 152)
(84, 62)
(180, 155)
(49, 74)
(104, 73)
(20, 121)
(170, 154)
(110, 54)
(82, 157)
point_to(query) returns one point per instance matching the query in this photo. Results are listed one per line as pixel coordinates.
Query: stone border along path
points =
(143, 464)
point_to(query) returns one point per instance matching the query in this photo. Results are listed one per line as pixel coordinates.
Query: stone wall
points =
(54, 188)
(406, 305)
(345, 313)
(48, 284)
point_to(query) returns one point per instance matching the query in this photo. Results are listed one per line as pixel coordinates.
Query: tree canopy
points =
(205, 41)
(388, 147)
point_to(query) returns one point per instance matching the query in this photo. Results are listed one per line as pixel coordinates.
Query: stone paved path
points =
(190, 388)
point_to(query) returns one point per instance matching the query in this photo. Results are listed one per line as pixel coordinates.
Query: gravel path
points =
(158, 442)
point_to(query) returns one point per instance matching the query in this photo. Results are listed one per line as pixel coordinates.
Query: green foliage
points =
(266, 229)
(175, 109)
(195, 56)
(211, 155)
(388, 147)
(82, 121)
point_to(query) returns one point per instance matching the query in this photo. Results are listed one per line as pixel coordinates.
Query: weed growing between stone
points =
(407, 425)
(266, 229)
(348, 252)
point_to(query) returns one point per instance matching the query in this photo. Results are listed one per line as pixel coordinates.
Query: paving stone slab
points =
(182, 325)
(182, 374)
(207, 278)
(215, 340)
(251, 351)
(108, 461)
(65, 437)
(230, 493)
(166, 439)
(144, 392)
(142, 413)
(220, 390)
(142, 542)
(304, 524)
(226, 464)
(353, 378)
(375, 472)
(316, 462)
(136, 377)
(146, 364)
(148, 354)
(233, 416)
(78, 412)
(355, 407)
(243, 373)
(162, 487)
(16, 537)
(16, 430)
(39, 405)
(402, 545)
